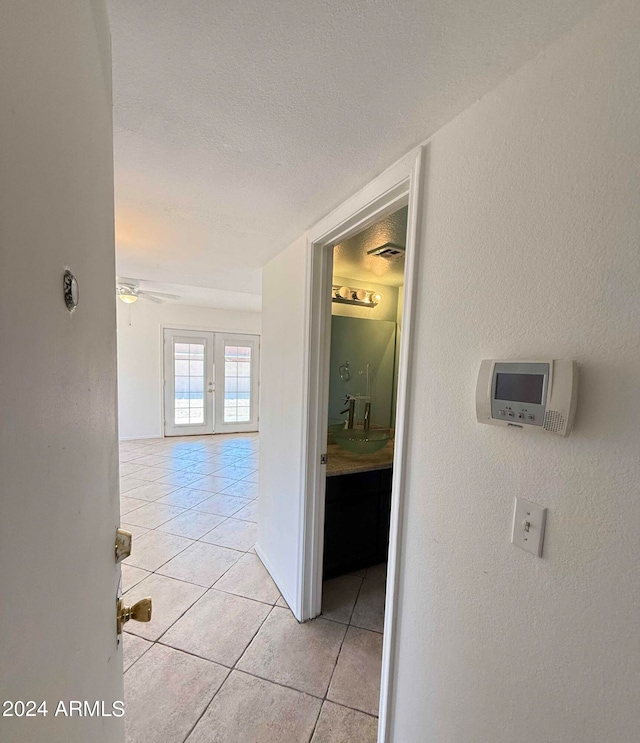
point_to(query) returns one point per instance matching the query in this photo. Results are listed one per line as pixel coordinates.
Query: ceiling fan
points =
(128, 290)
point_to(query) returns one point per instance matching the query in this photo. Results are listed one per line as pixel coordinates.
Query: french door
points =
(210, 382)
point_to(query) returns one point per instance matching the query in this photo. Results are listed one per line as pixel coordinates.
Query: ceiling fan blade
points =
(162, 295)
(129, 283)
(150, 297)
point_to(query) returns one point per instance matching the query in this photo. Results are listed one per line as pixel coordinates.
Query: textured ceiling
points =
(239, 124)
(350, 259)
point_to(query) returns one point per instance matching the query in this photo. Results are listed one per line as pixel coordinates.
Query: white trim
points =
(399, 185)
(200, 328)
(400, 453)
(136, 438)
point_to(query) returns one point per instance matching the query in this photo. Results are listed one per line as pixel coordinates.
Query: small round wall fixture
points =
(71, 291)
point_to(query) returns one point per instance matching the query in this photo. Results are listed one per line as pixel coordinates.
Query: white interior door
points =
(189, 388)
(58, 427)
(237, 376)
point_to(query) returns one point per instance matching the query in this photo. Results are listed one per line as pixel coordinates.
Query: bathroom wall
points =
(389, 310)
(362, 342)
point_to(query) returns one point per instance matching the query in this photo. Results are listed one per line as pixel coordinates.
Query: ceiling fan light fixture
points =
(128, 297)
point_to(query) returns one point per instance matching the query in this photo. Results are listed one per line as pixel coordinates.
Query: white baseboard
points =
(276, 579)
(137, 438)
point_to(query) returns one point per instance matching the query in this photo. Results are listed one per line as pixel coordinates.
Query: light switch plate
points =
(529, 521)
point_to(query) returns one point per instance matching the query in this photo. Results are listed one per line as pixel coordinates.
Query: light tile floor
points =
(223, 659)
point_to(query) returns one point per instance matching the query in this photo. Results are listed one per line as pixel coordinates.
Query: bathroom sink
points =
(335, 424)
(358, 441)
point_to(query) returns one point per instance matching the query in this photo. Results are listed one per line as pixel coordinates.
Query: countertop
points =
(343, 462)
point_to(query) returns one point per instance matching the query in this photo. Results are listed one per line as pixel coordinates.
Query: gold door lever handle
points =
(139, 612)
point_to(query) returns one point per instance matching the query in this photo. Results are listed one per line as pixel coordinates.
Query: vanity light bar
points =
(359, 297)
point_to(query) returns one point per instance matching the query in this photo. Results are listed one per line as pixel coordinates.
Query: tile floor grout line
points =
(253, 637)
(193, 584)
(342, 643)
(155, 572)
(230, 672)
(230, 669)
(144, 652)
(315, 726)
(193, 655)
(280, 684)
(335, 665)
(166, 561)
(210, 702)
(355, 603)
(184, 510)
(135, 462)
(199, 539)
(168, 472)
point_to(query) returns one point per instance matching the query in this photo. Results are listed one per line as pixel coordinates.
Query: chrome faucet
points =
(367, 416)
(351, 410)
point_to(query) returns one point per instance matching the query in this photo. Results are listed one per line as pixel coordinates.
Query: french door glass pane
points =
(237, 384)
(188, 360)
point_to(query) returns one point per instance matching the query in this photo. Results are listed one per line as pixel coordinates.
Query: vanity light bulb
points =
(376, 297)
(345, 292)
(361, 295)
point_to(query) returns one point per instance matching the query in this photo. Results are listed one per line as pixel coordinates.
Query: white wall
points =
(530, 248)
(283, 335)
(140, 356)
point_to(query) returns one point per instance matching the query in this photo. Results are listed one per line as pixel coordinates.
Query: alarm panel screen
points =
(519, 387)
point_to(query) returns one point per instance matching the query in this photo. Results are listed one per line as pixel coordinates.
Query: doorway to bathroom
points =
(366, 321)
(368, 418)
(365, 331)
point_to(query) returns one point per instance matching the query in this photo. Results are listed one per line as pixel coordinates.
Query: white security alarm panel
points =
(541, 394)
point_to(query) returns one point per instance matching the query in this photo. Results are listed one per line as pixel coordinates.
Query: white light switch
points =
(528, 526)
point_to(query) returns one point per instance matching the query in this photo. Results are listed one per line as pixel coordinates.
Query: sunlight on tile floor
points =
(223, 658)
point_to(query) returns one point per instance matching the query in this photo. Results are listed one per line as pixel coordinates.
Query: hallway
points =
(223, 658)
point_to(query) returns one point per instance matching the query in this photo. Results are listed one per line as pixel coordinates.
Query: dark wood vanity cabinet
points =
(356, 526)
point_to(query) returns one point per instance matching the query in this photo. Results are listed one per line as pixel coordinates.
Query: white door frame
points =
(396, 187)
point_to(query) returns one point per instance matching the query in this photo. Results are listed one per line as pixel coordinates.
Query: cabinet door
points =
(356, 521)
